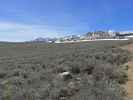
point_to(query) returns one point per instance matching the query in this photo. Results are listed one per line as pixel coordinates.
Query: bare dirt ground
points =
(129, 84)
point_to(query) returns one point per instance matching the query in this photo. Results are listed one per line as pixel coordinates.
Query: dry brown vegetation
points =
(129, 84)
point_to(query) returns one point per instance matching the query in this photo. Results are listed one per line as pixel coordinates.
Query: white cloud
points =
(10, 31)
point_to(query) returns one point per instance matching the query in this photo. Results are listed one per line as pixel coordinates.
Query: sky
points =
(22, 20)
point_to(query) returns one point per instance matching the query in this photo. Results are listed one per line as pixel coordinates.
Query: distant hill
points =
(45, 40)
(88, 36)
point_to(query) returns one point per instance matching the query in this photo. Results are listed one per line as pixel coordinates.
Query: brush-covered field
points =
(76, 71)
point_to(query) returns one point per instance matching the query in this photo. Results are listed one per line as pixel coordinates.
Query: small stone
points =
(65, 75)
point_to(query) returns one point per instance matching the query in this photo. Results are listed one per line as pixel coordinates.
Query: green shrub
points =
(33, 70)
(75, 69)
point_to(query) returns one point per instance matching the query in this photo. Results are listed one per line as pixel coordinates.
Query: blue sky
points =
(22, 20)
